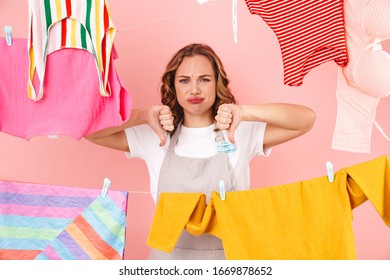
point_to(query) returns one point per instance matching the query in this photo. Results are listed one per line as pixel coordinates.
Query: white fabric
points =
(365, 80)
(198, 143)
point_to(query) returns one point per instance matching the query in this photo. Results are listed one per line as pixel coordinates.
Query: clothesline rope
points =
(145, 192)
(140, 192)
(153, 21)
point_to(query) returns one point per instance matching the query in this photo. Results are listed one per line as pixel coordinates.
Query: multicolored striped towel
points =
(55, 222)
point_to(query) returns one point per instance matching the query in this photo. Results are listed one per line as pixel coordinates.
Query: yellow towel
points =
(371, 180)
(172, 213)
(305, 220)
(310, 219)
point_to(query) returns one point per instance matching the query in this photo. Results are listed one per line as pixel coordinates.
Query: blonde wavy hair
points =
(168, 92)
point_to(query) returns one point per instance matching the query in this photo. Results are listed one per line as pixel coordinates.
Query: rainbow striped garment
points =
(54, 222)
(57, 24)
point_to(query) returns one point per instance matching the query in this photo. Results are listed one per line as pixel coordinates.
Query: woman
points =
(183, 141)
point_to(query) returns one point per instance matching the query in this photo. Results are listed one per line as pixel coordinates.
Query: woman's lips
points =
(195, 100)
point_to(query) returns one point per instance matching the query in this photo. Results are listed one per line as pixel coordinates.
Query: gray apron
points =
(183, 174)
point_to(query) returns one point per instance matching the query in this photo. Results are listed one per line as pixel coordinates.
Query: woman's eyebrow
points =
(189, 76)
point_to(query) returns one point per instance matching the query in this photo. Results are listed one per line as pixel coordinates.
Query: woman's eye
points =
(205, 80)
(183, 81)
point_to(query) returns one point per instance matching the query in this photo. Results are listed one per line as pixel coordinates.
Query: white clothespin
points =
(200, 2)
(8, 34)
(234, 20)
(329, 169)
(106, 185)
(222, 189)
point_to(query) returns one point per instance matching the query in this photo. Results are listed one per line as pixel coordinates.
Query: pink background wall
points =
(149, 32)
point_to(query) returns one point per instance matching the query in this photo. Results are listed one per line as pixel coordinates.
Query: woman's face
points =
(195, 86)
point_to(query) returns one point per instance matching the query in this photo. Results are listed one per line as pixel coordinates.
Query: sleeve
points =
(141, 140)
(371, 180)
(250, 136)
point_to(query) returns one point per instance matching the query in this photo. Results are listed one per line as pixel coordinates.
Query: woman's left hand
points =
(228, 118)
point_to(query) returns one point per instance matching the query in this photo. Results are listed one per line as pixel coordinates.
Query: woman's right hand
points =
(160, 119)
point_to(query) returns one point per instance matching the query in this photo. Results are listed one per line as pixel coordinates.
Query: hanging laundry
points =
(57, 24)
(309, 33)
(54, 222)
(310, 219)
(72, 106)
(365, 80)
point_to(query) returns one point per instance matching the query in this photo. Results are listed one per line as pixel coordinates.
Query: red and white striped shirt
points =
(310, 33)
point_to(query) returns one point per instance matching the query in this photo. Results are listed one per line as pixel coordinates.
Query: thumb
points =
(157, 128)
(232, 128)
(161, 133)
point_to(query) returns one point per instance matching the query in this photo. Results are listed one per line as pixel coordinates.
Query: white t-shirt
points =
(198, 143)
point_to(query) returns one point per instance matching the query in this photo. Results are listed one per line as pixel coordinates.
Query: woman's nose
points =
(194, 87)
